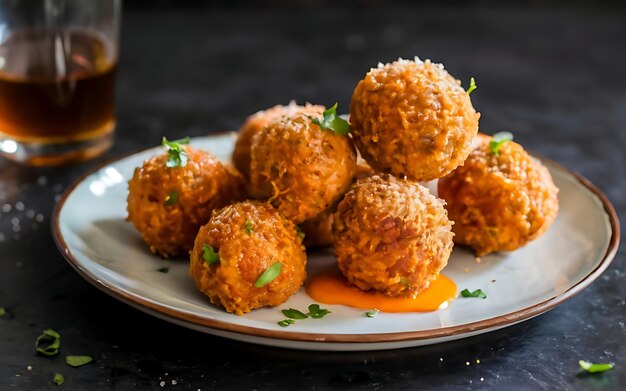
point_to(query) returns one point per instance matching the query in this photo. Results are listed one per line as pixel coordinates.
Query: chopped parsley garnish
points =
(404, 282)
(77, 361)
(48, 343)
(177, 156)
(268, 275)
(209, 255)
(248, 227)
(331, 121)
(594, 368)
(472, 86)
(172, 198)
(498, 141)
(58, 379)
(477, 293)
(316, 312)
(294, 314)
(3, 311)
(286, 322)
(372, 313)
(163, 270)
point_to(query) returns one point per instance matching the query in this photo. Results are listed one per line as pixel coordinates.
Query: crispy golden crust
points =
(300, 168)
(244, 254)
(319, 229)
(412, 119)
(499, 202)
(391, 235)
(202, 185)
(256, 122)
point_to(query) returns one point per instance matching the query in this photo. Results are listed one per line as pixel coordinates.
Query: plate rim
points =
(485, 324)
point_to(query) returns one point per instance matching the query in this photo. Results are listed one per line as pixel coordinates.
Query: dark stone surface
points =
(553, 76)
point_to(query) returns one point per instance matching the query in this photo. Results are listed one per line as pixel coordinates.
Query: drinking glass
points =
(58, 60)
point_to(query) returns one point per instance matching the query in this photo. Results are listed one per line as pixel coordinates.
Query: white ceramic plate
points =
(92, 234)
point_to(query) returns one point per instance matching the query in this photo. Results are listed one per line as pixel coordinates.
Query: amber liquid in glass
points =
(56, 87)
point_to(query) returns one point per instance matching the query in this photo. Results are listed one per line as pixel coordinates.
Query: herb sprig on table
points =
(594, 368)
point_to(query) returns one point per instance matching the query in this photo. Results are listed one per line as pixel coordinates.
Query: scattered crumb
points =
(466, 270)
(29, 368)
(493, 280)
(477, 361)
(440, 358)
(482, 379)
(174, 382)
(467, 363)
(477, 259)
(162, 384)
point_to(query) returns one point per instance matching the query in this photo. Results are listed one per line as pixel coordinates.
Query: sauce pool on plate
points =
(330, 287)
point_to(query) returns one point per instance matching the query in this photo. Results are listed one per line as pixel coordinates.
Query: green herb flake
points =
(163, 270)
(286, 322)
(58, 379)
(48, 343)
(209, 255)
(172, 198)
(478, 293)
(316, 312)
(472, 86)
(372, 313)
(294, 314)
(405, 282)
(3, 311)
(498, 140)
(268, 275)
(177, 156)
(248, 227)
(594, 368)
(330, 121)
(77, 361)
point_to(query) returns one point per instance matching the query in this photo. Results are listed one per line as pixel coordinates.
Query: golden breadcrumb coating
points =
(256, 122)
(249, 237)
(411, 118)
(204, 184)
(499, 202)
(300, 168)
(391, 235)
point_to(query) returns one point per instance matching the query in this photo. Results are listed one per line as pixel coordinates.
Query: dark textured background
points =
(552, 75)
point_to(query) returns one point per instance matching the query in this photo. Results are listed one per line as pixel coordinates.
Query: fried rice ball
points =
(499, 201)
(248, 238)
(256, 122)
(411, 118)
(391, 235)
(300, 168)
(168, 205)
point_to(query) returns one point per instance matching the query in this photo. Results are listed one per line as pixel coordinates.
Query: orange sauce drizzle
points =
(330, 287)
